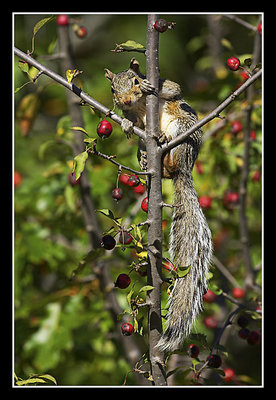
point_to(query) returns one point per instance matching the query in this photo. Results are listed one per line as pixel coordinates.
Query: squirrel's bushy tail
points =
(190, 245)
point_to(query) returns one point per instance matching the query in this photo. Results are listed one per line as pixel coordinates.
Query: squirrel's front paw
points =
(147, 87)
(163, 138)
(127, 127)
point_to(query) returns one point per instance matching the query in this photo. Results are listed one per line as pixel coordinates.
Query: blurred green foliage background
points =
(62, 327)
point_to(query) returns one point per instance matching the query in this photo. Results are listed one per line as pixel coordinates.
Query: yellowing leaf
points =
(142, 254)
(70, 74)
(79, 128)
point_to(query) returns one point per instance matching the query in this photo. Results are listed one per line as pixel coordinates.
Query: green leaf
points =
(128, 298)
(214, 288)
(49, 377)
(23, 65)
(90, 140)
(39, 25)
(248, 62)
(146, 288)
(79, 164)
(226, 43)
(183, 271)
(195, 362)
(30, 381)
(108, 213)
(130, 45)
(135, 325)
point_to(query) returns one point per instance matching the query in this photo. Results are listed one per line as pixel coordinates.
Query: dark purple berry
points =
(117, 194)
(123, 281)
(108, 242)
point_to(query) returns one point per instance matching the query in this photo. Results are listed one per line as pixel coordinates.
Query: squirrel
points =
(190, 236)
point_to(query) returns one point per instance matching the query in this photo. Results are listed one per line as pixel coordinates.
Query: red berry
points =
(140, 189)
(214, 361)
(123, 281)
(17, 178)
(117, 194)
(108, 242)
(193, 350)
(62, 20)
(209, 296)
(238, 293)
(81, 32)
(124, 178)
(144, 204)
(244, 333)
(260, 27)
(233, 63)
(104, 129)
(254, 337)
(253, 135)
(205, 202)
(229, 374)
(210, 322)
(161, 25)
(127, 329)
(230, 199)
(133, 181)
(72, 179)
(125, 237)
(236, 127)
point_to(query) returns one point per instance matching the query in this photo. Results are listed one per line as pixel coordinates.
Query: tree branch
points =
(156, 356)
(240, 21)
(130, 347)
(76, 90)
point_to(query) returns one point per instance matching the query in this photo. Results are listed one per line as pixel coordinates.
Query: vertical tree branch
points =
(155, 209)
(129, 345)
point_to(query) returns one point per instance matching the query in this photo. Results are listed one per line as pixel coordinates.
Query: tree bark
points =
(155, 209)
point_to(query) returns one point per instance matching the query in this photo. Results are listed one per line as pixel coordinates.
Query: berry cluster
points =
(253, 337)
(63, 20)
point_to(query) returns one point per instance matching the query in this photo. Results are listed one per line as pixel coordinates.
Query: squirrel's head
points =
(128, 86)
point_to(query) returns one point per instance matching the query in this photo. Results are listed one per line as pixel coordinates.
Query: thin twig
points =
(111, 159)
(240, 21)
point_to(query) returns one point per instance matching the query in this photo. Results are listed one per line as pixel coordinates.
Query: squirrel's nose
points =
(127, 102)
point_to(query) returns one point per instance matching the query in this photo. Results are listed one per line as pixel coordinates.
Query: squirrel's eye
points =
(136, 82)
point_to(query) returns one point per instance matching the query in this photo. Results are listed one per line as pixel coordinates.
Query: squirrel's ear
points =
(134, 65)
(109, 75)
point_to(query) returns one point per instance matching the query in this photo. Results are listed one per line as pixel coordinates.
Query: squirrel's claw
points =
(163, 138)
(147, 87)
(127, 127)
